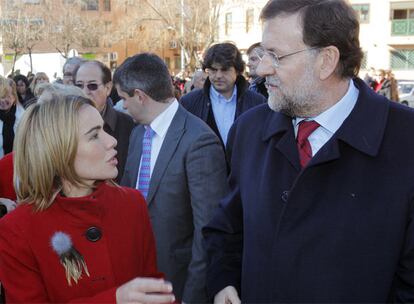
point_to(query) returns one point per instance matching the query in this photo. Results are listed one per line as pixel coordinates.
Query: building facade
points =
(111, 31)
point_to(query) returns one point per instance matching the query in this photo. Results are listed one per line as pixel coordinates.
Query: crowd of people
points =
(383, 82)
(291, 185)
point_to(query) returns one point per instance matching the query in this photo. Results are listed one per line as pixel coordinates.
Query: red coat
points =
(31, 271)
(6, 177)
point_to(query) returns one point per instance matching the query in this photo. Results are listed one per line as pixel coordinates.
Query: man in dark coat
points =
(225, 94)
(321, 198)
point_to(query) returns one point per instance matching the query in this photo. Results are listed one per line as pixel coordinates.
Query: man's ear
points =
(108, 87)
(141, 96)
(328, 61)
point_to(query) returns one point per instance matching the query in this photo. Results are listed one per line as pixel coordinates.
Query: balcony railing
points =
(403, 27)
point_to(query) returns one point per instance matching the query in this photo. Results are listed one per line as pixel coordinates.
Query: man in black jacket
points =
(225, 94)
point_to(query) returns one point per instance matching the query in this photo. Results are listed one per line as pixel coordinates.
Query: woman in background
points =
(75, 235)
(23, 90)
(10, 113)
(38, 79)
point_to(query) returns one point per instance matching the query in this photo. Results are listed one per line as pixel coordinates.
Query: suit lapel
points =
(168, 148)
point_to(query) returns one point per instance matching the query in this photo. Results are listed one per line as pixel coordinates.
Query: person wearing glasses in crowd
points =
(76, 236)
(225, 94)
(69, 67)
(257, 83)
(321, 190)
(95, 79)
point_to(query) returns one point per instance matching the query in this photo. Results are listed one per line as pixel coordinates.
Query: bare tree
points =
(139, 24)
(21, 32)
(194, 23)
(190, 24)
(70, 29)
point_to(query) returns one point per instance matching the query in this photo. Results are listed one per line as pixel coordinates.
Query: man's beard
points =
(301, 101)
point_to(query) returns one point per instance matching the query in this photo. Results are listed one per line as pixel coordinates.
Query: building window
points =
(249, 19)
(91, 42)
(108, 26)
(90, 5)
(31, 1)
(168, 62)
(401, 14)
(107, 5)
(228, 24)
(362, 11)
(177, 62)
(402, 21)
(402, 59)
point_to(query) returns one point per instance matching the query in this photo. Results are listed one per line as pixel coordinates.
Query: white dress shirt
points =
(224, 111)
(331, 119)
(160, 126)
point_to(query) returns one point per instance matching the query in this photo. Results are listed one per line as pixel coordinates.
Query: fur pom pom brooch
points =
(70, 258)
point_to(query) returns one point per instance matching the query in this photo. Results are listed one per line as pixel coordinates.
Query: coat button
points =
(93, 234)
(285, 196)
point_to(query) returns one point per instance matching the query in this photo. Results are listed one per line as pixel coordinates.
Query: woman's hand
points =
(145, 290)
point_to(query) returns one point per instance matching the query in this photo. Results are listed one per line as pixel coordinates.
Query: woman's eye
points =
(94, 136)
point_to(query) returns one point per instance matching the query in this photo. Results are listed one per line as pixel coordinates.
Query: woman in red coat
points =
(75, 237)
(7, 193)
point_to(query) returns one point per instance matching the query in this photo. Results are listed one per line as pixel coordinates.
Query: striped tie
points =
(145, 170)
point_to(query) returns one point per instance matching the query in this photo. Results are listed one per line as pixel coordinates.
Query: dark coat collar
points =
(363, 129)
(109, 115)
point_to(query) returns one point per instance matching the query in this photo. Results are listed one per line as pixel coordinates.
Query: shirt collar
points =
(162, 122)
(332, 118)
(214, 94)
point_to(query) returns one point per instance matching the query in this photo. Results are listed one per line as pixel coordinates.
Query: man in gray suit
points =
(177, 163)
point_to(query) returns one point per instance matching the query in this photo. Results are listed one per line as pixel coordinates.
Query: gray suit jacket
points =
(187, 182)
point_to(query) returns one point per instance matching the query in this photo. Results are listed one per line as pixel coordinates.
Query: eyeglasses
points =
(276, 58)
(90, 86)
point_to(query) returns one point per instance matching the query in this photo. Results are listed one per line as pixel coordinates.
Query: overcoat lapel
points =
(168, 148)
(278, 127)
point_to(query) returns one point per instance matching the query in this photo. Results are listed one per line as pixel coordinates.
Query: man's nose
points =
(265, 67)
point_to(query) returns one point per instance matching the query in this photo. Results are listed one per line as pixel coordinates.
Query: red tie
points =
(305, 151)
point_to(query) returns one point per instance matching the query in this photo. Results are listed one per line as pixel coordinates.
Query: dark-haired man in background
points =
(95, 79)
(225, 94)
(321, 203)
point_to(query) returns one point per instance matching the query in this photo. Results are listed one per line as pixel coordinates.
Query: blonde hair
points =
(50, 91)
(45, 148)
(5, 84)
(34, 86)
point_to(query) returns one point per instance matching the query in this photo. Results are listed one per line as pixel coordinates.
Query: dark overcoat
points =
(341, 230)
